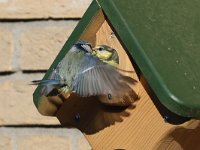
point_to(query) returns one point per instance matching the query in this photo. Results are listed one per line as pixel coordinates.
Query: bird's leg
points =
(65, 92)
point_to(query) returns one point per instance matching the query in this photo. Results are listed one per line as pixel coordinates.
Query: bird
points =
(107, 54)
(87, 72)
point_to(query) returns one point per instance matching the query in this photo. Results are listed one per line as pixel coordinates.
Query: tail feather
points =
(46, 82)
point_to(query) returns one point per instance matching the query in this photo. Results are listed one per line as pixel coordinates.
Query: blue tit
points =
(110, 56)
(87, 72)
(107, 54)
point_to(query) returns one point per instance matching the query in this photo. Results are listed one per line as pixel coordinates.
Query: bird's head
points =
(83, 46)
(106, 53)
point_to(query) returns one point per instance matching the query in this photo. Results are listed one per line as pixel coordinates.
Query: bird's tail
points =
(46, 82)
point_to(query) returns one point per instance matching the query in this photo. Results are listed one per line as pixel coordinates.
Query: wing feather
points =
(98, 78)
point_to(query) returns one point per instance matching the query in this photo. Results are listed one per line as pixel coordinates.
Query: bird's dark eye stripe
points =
(100, 48)
(89, 45)
(80, 46)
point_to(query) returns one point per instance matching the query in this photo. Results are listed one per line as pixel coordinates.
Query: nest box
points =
(157, 40)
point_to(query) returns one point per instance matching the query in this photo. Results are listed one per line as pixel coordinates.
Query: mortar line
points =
(14, 20)
(33, 126)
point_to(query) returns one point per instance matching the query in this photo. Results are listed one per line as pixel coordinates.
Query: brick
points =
(6, 50)
(40, 45)
(5, 143)
(27, 9)
(16, 101)
(44, 143)
(39, 138)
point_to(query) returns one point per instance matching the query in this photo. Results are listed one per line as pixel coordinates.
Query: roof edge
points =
(136, 51)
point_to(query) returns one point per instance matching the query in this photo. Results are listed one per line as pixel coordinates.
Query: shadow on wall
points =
(181, 138)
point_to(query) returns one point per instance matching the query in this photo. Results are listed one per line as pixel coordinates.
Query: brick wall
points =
(32, 32)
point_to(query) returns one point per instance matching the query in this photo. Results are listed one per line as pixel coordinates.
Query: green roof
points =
(163, 39)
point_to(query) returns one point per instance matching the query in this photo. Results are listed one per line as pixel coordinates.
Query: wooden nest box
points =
(159, 41)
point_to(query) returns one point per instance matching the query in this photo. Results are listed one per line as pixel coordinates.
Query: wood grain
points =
(90, 33)
(106, 36)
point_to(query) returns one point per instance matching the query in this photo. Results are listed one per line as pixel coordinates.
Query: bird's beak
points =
(94, 51)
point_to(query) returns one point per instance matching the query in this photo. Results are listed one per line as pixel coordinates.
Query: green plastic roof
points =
(163, 39)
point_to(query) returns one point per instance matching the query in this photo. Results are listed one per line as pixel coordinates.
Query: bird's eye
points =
(100, 48)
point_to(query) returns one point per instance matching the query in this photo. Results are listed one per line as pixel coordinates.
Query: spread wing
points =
(98, 78)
